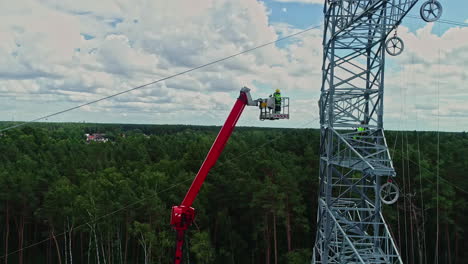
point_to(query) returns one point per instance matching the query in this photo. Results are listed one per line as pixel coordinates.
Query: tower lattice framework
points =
(354, 164)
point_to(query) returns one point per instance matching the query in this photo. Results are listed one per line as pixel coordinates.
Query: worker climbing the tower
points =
(277, 96)
(361, 130)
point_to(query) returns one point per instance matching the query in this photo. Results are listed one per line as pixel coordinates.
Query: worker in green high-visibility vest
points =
(277, 96)
(361, 130)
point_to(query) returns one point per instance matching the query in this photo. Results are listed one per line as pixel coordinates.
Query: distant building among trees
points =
(96, 138)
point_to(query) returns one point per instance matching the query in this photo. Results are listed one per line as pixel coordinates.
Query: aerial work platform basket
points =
(269, 110)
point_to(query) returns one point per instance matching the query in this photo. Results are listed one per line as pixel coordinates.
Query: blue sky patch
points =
(87, 37)
(299, 15)
(115, 22)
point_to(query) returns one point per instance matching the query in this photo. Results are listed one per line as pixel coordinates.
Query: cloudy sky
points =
(59, 54)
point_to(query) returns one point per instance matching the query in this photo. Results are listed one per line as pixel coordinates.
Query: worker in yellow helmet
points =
(277, 96)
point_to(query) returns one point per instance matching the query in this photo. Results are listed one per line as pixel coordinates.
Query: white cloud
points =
(80, 51)
(429, 81)
(60, 54)
(284, 9)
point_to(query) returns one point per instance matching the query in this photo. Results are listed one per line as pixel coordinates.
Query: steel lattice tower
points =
(353, 165)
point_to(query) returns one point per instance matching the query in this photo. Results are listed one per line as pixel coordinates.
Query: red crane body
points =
(182, 215)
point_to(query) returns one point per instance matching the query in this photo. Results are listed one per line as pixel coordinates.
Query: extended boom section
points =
(354, 156)
(183, 215)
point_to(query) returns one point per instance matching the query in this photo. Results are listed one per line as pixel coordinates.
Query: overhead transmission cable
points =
(443, 21)
(438, 159)
(424, 245)
(393, 155)
(97, 219)
(456, 23)
(403, 167)
(162, 79)
(440, 178)
(422, 201)
(408, 178)
(136, 88)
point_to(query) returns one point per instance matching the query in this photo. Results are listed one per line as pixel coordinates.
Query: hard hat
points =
(278, 90)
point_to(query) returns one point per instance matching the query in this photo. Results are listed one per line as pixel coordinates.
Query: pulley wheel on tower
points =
(431, 10)
(394, 46)
(389, 193)
(341, 22)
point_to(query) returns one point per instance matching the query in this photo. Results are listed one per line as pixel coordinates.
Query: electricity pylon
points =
(355, 162)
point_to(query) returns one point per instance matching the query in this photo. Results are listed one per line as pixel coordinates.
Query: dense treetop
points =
(96, 202)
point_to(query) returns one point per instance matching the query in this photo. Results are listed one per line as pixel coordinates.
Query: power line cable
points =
(443, 21)
(405, 197)
(139, 87)
(403, 85)
(393, 154)
(173, 76)
(440, 177)
(438, 161)
(408, 173)
(94, 220)
(424, 245)
(457, 23)
(422, 201)
(162, 79)
(145, 198)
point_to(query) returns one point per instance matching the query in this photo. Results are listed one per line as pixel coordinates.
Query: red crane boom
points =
(183, 215)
